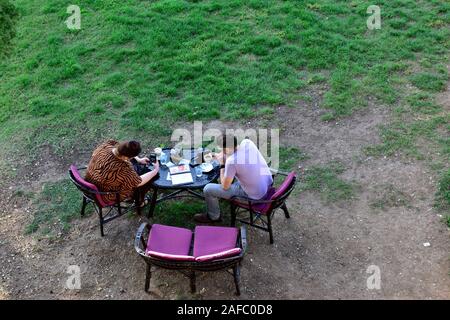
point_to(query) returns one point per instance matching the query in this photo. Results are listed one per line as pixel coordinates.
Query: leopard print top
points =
(109, 173)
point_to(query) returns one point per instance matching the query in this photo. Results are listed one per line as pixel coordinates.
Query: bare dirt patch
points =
(323, 251)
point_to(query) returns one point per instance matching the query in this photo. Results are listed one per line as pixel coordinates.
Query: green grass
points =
(423, 103)
(425, 137)
(8, 18)
(321, 179)
(23, 195)
(179, 213)
(60, 202)
(402, 137)
(388, 196)
(443, 193)
(54, 208)
(430, 81)
(326, 181)
(136, 66)
(447, 220)
(290, 157)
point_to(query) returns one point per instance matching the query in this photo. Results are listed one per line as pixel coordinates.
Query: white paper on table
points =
(169, 164)
(181, 168)
(182, 178)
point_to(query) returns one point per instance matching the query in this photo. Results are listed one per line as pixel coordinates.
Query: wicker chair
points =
(263, 210)
(107, 211)
(204, 250)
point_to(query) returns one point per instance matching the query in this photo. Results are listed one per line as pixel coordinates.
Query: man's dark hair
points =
(227, 141)
(129, 149)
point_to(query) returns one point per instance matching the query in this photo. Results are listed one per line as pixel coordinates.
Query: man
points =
(247, 165)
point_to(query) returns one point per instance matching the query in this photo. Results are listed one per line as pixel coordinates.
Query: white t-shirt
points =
(250, 168)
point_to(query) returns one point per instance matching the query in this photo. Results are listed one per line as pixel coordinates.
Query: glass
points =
(187, 154)
(163, 159)
(158, 152)
(198, 171)
(208, 157)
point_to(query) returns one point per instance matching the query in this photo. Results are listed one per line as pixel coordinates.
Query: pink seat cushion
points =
(89, 185)
(215, 240)
(272, 194)
(166, 256)
(261, 207)
(169, 241)
(219, 255)
(284, 186)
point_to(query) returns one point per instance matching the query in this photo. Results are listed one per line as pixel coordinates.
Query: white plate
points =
(206, 167)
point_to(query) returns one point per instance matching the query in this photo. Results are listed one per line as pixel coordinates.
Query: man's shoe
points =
(204, 218)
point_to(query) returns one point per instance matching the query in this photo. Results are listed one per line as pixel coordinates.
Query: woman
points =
(111, 169)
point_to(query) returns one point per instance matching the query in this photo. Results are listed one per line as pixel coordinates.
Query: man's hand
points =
(220, 157)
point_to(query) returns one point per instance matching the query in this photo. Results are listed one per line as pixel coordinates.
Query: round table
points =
(183, 190)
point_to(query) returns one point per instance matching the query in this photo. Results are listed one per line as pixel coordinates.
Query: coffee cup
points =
(158, 151)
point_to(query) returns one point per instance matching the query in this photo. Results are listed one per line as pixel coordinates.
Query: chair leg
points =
(192, 278)
(285, 209)
(153, 203)
(100, 214)
(233, 215)
(269, 227)
(237, 276)
(83, 206)
(148, 277)
(138, 210)
(137, 201)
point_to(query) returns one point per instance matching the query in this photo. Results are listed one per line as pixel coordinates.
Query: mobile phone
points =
(152, 157)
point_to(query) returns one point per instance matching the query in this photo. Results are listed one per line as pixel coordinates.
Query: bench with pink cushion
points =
(206, 249)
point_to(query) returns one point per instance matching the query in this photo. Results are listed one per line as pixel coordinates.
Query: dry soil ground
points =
(323, 251)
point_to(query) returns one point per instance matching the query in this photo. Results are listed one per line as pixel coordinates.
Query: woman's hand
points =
(146, 177)
(144, 160)
(156, 166)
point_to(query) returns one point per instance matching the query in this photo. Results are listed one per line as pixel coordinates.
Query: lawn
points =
(140, 68)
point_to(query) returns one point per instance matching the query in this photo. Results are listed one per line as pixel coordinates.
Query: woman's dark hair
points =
(129, 149)
(227, 141)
